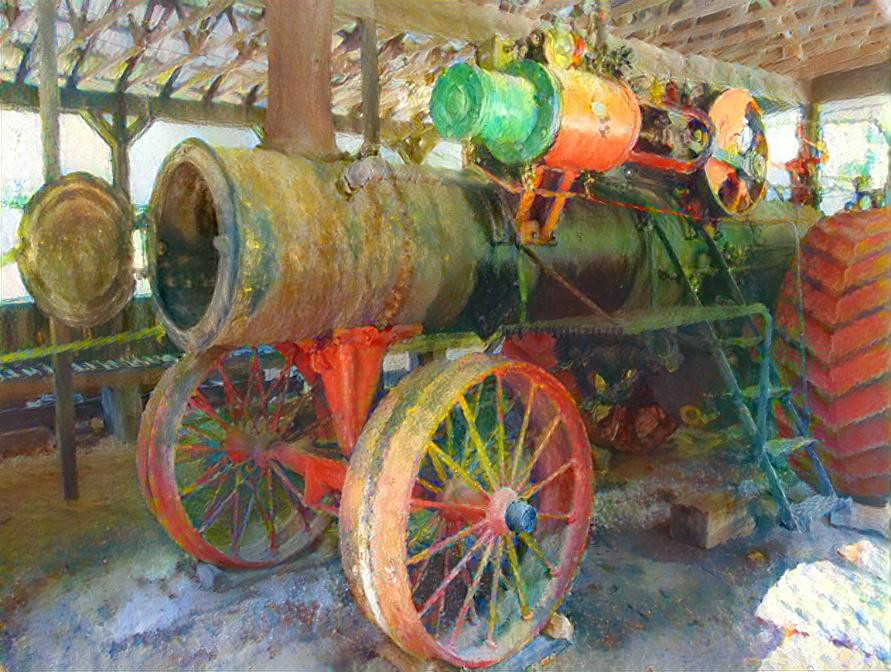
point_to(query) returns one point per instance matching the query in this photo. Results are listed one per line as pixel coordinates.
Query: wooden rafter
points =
(100, 24)
(156, 36)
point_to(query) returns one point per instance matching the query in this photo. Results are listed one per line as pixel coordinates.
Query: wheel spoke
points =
(456, 507)
(519, 586)
(234, 401)
(526, 494)
(521, 438)
(215, 471)
(202, 432)
(440, 591)
(422, 570)
(240, 521)
(538, 552)
(478, 443)
(471, 591)
(433, 549)
(435, 489)
(455, 467)
(199, 402)
(189, 452)
(217, 505)
(539, 449)
(265, 515)
(493, 594)
(418, 534)
(499, 429)
(288, 484)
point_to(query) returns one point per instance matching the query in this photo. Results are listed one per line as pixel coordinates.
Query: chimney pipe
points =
(298, 114)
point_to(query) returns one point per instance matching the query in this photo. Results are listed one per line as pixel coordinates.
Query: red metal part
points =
(321, 475)
(599, 122)
(847, 321)
(349, 364)
(667, 163)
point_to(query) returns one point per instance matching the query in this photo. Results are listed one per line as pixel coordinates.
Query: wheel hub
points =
(520, 517)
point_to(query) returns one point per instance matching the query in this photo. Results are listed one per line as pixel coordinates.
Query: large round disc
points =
(76, 252)
(734, 178)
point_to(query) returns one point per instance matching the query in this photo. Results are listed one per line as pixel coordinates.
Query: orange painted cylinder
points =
(599, 126)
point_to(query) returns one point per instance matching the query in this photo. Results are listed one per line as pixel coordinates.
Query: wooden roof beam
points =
(203, 46)
(458, 20)
(693, 10)
(100, 24)
(156, 36)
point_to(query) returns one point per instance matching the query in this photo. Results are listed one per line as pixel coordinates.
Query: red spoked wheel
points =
(466, 508)
(212, 457)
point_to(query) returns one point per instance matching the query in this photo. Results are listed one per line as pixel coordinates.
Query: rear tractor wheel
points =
(466, 508)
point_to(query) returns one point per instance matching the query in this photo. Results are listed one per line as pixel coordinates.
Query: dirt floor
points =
(96, 584)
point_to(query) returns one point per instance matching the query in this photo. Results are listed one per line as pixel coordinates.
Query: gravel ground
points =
(96, 584)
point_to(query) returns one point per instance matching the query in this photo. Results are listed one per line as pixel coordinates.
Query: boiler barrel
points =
(252, 246)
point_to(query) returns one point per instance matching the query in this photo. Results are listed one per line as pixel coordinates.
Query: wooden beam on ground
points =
(88, 383)
(869, 81)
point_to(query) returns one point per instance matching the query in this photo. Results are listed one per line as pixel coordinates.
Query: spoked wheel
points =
(465, 511)
(212, 449)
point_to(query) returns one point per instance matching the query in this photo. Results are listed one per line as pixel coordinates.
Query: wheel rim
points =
(212, 481)
(491, 512)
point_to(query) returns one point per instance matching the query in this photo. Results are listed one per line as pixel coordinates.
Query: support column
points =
(50, 99)
(121, 406)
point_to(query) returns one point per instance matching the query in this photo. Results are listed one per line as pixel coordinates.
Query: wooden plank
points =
(371, 92)
(844, 61)
(87, 383)
(150, 74)
(739, 45)
(99, 25)
(693, 10)
(49, 103)
(866, 81)
(155, 37)
(710, 519)
(24, 96)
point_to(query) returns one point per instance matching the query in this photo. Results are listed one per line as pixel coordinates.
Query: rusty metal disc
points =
(76, 250)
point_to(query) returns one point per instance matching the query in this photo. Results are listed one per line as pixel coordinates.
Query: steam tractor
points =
(583, 224)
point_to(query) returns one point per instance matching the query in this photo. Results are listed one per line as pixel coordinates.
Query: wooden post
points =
(50, 102)
(371, 96)
(122, 406)
(813, 135)
(298, 113)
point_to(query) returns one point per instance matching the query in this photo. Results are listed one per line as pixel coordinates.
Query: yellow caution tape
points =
(87, 344)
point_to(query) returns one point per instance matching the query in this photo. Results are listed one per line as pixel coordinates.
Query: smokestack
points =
(298, 114)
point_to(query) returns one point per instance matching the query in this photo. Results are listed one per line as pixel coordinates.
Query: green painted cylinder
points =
(514, 114)
(469, 102)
